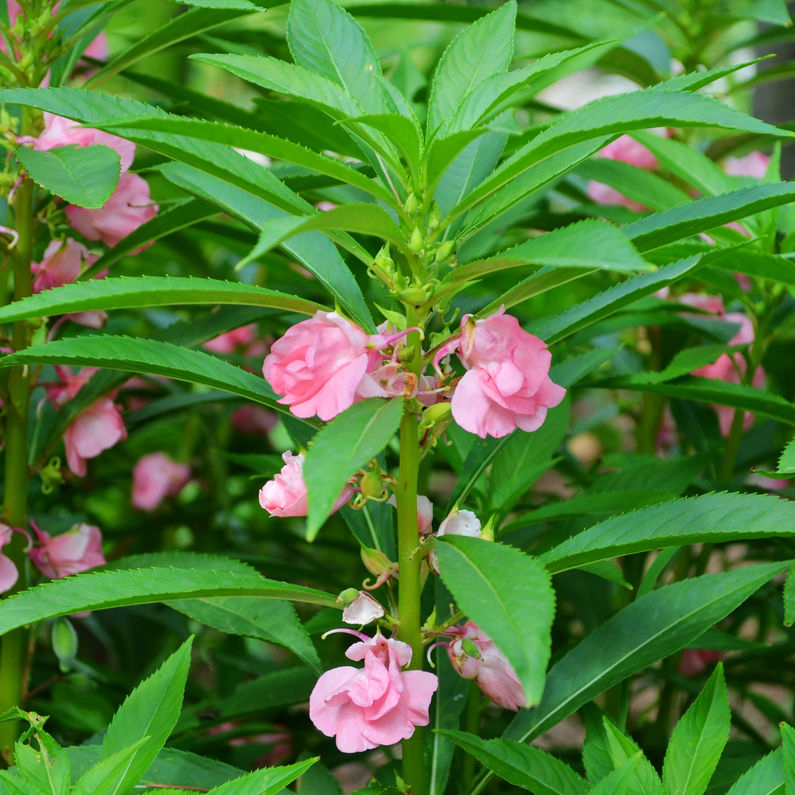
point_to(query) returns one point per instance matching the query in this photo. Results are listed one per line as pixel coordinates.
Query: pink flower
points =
(627, 150)
(424, 513)
(155, 477)
(285, 495)
(231, 341)
(59, 131)
(379, 704)
(79, 549)
(474, 656)
(254, 420)
(320, 365)
(61, 264)
(456, 523)
(507, 385)
(731, 368)
(753, 164)
(128, 208)
(97, 428)
(8, 571)
(694, 661)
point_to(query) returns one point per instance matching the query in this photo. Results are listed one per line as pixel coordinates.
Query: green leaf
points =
(191, 23)
(106, 774)
(255, 141)
(47, 769)
(766, 777)
(106, 589)
(478, 52)
(348, 442)
(788, 749)
(523, 766)
(701, 215)
(327, 40)
(708, 518)
(268, 781)
(139, 355)
(82, 175)
(543, 280)
(150, 711)
(136, 292)
(242, 5)
(650, 628)
(789, 598)
(508, 594)
(698, 740)
(591, 245)
(366, 219)
(621, 781)
(651, 107)
(313, 250)
(623, 749)
(610, 301)
(443, 152)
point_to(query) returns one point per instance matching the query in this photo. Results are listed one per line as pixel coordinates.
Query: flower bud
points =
(347, 596)
(438, 412)
(434, 217)
(416, 241)
(445, 250)
(371, 484)
(375, 561)
(412, 204)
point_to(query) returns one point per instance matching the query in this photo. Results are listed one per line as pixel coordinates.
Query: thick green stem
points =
(732, 447)
(409, 629)
(16, 476)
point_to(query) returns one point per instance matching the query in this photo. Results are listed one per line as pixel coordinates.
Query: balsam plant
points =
(421, 247)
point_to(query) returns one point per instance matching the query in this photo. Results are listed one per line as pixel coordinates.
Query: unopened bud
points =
(487, 533)
(412, 204)
(383, 261)
(375, 561)
(445, 250)
(347, 596)
(414, 295)
(438, 412)
(416, 241)
(371, 484)
(434, 216)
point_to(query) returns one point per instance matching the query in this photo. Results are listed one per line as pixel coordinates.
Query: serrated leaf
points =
(708, 518)
(766, 777)
(268, 781)
(103, 590)
(623, 749)
(509, 595)
(523, 766)
(788, 749)
(348, 442)
(479, 51)
(82, 175)
(150, 711)
(138, 355)
(137, 292)
(700, 215)
(650, 628)
(620, 781)
(698, 740)
(105, 774)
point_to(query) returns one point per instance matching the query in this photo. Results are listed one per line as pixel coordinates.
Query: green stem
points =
(732, 447)
(409, 629)
(16, 475)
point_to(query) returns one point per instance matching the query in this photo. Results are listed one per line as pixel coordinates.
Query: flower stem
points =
(409, 629)
(16, 475)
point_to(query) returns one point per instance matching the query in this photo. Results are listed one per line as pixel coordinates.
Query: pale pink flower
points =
(97, 318)
(320, 365)
(254, 420)
(694, 661)
(379, 704)
(362, 610)
(59, 131)
(98, 48)
(61, 264)
(8, 571)
(79, 549)
(474, 656)
(753, 164)
(507, 385)
(155, 477)
(456, 523)
(285, 495)
(97, 428)
(128, 208)
(424, 513)
(231, 341)
(627, 150)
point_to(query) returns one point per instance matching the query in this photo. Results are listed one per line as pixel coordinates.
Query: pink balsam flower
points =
(507, 385)
(627, 150)
(285, 495)
(424, 513)
(753, 165)
(155, 477)
(79, 549)
(8, 571)
(474, 656)
(320, 365)
(59, 131)
(61, 264)
(694, 661)
(231, 341)
(129, 207)
(379, 704)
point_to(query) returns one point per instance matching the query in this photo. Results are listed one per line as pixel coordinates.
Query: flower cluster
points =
(379, 704)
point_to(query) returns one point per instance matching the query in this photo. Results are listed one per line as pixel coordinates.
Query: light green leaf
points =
(191, 23)
(106, 589)
(327, 40)
(45, 769)
(708, 518)
(106, 773)
(478, 52)
(126, 292)
(524, 766)
(701, 215)
(698, 740)
(82, 175)
(621, 781)
(268, 781)
(766, 777)
(139, 355)
(348, 442)
(590, 245)
(150, 711)
(623, 749)
(788, 749)
(508, 594)
(650, 628)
